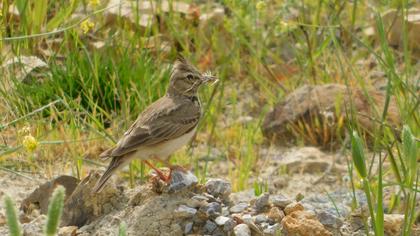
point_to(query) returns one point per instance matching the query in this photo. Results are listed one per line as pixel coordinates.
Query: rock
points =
(197, 201)
(393, 224)
(302, 222)
(181, 180)
(218, 188)
(262, 202)
(67, 231)
(330, 221)
(210, 226)
(188, 227)
(261, 219)
(229, 225)
(394, 24)
(319, 102)
(143, 16)
(212, 210)
(41, 195)
(273, 230)
(240, 207)
(24, 69)
(275, 214)
(246, 218)
(185, 211)
(83, 207)
(292, 207)
(242, 230)
(280, 201)
(225, 211)
(221, 220)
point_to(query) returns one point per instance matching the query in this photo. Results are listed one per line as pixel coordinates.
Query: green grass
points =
(90, 96)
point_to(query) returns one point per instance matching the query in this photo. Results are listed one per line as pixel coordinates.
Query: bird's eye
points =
(190, 77)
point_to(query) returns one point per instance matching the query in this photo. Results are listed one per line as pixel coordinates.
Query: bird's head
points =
(186, 79)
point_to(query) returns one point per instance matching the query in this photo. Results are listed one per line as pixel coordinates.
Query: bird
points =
(164, 126)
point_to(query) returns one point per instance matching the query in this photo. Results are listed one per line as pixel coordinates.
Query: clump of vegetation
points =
(103, 69)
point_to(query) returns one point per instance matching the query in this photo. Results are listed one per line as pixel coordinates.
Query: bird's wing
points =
(163, 120)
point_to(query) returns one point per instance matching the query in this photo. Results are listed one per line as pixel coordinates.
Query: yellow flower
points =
(261, 5)
(94, 3)
(29, 143)
(86, 26)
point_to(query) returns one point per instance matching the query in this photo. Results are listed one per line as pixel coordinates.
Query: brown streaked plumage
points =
(163, 127)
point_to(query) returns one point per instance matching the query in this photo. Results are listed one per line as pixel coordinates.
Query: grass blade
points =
(12, 219)
(55, 208)
(358, 154)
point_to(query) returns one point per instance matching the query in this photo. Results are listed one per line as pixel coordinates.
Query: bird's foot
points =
(174, 168)
(161, 175)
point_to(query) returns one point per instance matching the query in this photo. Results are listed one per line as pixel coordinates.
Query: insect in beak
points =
(209, 78)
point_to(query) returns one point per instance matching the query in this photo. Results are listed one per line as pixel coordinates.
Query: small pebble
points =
(262, 202)
(294, 206)
(184, 211)
(219, 188)
(225, 211)
(329, 220)
(197, 201)
(247, 218)
(240, 207)
(272, 229)
(181, 180)
(276, 214)
(221, 220)
(188, 227)
(280, 201)
(261, 219)
(210, 226)
(242, 230)
(229, 225)
(213, 209)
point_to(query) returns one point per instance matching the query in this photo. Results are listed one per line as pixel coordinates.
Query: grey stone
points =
(247, 218)
(219, 188)
(229, 225)
(212, 210)
(242, 230)
(329, 220)
(210, 226)
(225, 211)
(181, 180)
(197, 201)
(261, 219)
(188, 227)
(184, 211)
(262, 202)
(272, 229)
(210, 197)
(240, 207)
(280, 201)
(221, 220)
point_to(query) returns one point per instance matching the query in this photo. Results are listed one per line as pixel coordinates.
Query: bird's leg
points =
(171, 168)
(158, 172)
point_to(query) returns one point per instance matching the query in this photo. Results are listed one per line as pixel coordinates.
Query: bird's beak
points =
(209, 79)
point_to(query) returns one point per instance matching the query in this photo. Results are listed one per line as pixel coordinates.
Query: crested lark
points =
(163, 127)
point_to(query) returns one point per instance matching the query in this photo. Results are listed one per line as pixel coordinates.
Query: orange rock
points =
(302, 223)
(292, 207)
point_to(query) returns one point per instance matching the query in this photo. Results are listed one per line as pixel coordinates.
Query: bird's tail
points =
(113, 166)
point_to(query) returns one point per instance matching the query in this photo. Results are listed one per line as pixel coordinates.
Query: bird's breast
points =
(164, 149)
